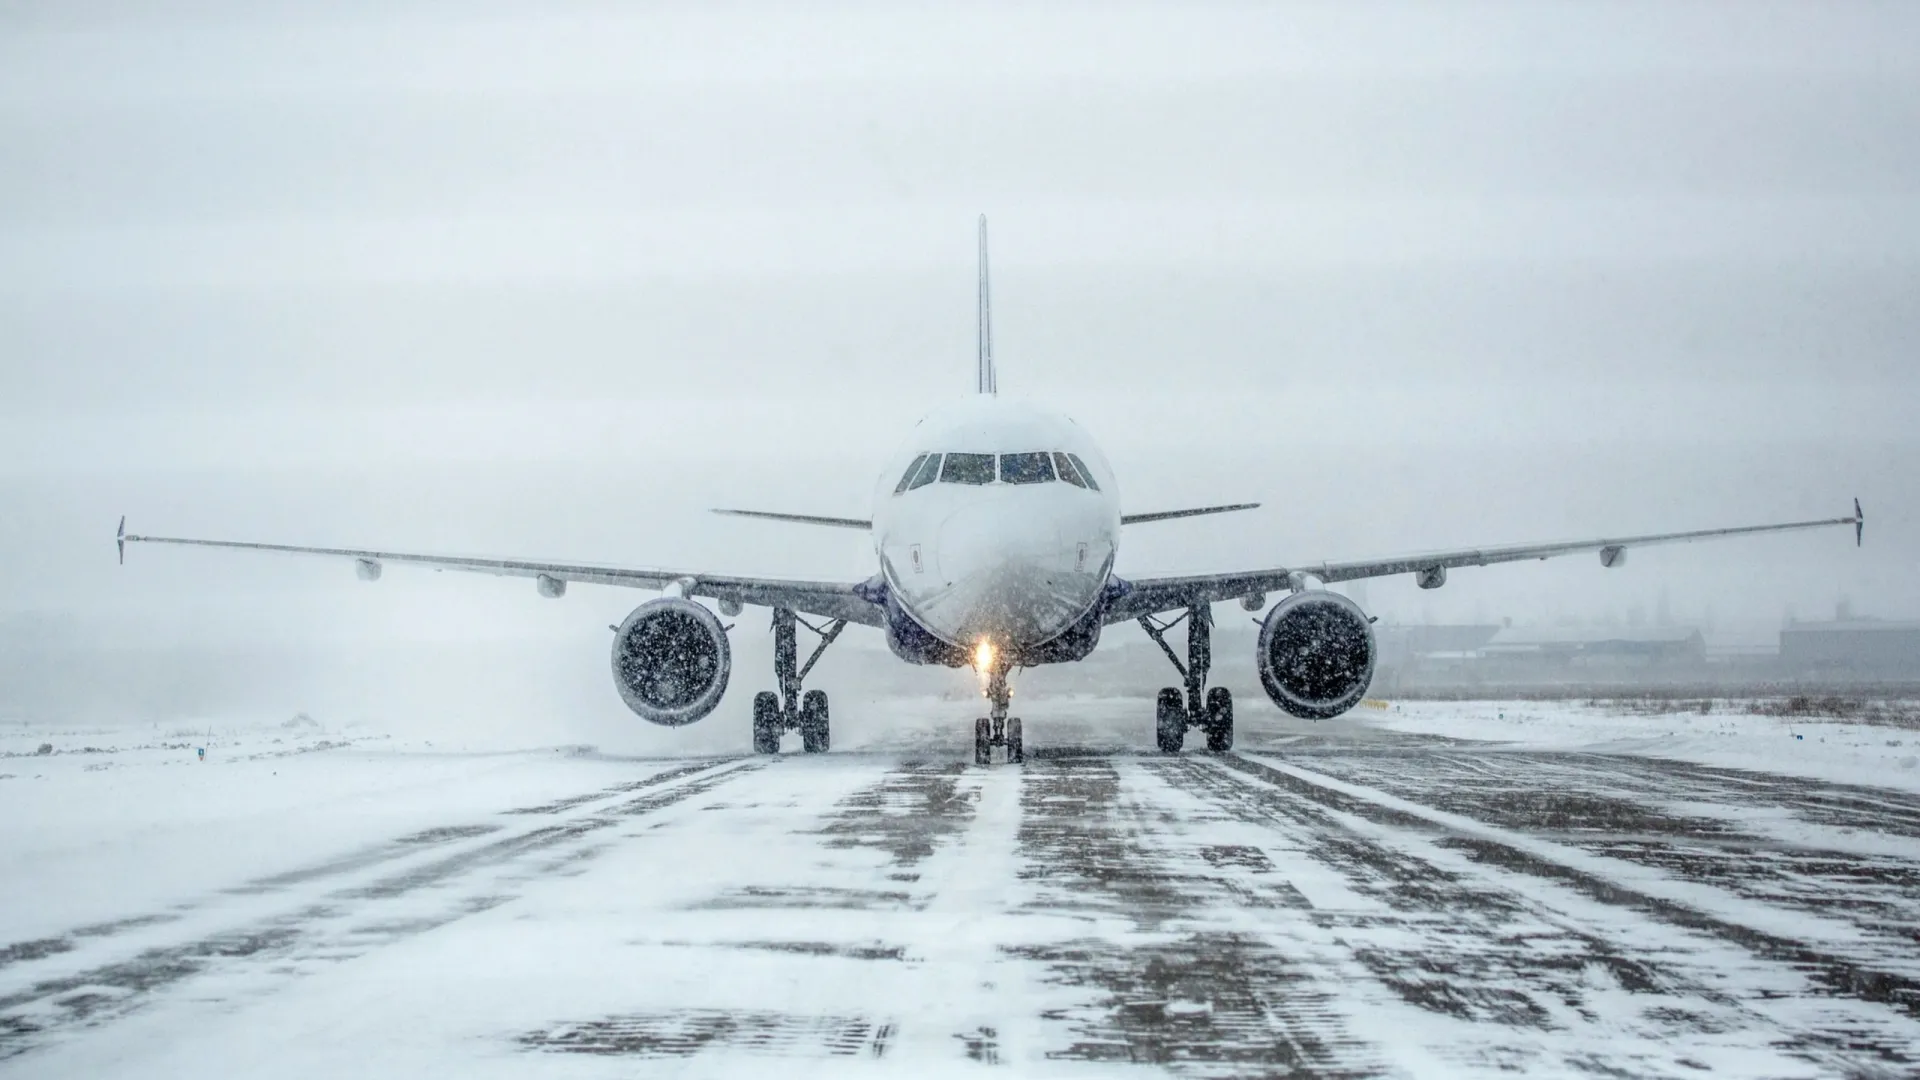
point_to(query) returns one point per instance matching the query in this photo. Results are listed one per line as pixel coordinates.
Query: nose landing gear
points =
(774, 714)
(998, 729)
(1209, 710)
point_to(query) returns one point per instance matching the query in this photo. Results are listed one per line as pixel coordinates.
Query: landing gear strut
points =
(998, 729)
(1209, 710)
(776, 713)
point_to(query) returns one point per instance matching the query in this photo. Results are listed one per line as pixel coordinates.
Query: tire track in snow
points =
(331, 926)
(1844, 967)
(1635, 781)
(1176, 989)
(1467, 877)
(1819, 801)
(1695, 829)
(407, 847)
(869, 863)
(1496, 980)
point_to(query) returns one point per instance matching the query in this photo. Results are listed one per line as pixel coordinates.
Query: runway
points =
(1328, 901)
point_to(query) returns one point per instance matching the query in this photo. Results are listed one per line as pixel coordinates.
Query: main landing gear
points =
(998, 729)
(1209, 710)
(775, 714)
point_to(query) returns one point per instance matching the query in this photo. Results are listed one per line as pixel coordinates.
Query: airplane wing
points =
(832, 600)
(1148, 596)
(803, 519)
(1169, 515)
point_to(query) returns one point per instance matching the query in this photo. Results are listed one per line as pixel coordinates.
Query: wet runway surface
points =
(1312, 905)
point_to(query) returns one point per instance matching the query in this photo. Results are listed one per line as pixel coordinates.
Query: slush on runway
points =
(1347, 901)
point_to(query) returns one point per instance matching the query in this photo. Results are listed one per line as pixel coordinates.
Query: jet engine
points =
(1316, 654)
(671, 661)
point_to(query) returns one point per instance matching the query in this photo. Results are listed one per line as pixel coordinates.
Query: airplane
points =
(995, 528)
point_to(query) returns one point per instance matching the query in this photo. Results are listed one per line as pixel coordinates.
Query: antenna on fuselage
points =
(989, 382)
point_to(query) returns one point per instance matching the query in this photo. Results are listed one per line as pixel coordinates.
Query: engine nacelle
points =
(671, 661)
(1316, 654)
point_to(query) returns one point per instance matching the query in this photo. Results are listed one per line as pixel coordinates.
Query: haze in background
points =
(551, 282)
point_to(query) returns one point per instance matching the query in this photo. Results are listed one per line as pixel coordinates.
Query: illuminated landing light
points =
(983, 656)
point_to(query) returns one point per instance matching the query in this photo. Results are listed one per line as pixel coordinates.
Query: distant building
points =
(1412, 643)
(1634, 646)
(1872, 647)
(1414, 652)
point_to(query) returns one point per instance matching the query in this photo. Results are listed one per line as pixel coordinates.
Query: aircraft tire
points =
(983, 741)
(1016, 747)
(766, 722)
(1170, 721)
(1219, 725)
(813, 722)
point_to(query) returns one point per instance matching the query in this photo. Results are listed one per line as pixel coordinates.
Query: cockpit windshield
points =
(929, 470)
(1034, 468)
(967, 469)
(1086, 474)
(1067, 471)
(1031, 467)
(912, 470)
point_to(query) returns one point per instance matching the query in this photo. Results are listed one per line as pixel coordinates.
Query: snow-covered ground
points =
(1816, 748)
(1372, 897)
(118, 820)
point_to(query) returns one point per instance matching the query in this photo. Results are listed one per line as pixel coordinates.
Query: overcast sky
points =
(551, 279)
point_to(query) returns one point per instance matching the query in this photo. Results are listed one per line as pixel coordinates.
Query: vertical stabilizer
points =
(989, 382)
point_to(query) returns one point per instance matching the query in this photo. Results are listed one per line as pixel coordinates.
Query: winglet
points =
(988, 379)
(1859, 525)
(120, 540)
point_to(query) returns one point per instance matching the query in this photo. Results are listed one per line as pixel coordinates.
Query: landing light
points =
(983, 656)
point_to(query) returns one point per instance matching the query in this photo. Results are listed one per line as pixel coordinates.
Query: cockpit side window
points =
(1034, 468)
(1085, 473)
(928, 470)
(1067, 471)
(907, 477)
(967, 469)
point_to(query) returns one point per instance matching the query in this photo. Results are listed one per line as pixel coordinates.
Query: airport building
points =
(1597, 647)
(1844, 651)
(1874, 648)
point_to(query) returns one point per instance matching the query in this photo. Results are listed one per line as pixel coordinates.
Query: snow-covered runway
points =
(1340, 902)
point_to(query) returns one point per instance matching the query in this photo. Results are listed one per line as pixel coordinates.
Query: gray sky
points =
(550, 280)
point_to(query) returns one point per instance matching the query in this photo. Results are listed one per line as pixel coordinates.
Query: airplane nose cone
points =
(1012, 576)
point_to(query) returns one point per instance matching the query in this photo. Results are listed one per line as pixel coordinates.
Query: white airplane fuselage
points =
(1010, 540)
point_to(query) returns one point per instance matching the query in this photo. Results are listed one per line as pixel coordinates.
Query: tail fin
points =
(989, 381)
